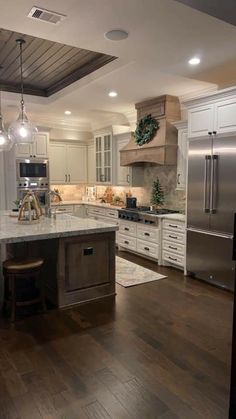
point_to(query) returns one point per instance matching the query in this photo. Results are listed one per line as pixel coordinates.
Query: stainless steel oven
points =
(42, 194)
(32, 171)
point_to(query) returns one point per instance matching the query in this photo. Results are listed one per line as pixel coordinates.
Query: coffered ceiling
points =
(47, 66)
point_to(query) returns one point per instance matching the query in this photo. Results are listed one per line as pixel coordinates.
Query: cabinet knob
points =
(214, 132)
(209, 133)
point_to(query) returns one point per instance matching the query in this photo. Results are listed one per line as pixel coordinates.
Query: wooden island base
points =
(77, 269)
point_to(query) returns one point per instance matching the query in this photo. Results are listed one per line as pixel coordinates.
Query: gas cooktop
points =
(143, 214)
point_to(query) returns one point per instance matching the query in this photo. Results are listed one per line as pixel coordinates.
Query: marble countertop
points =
(49, 228)
(177, 217)
(93, 203)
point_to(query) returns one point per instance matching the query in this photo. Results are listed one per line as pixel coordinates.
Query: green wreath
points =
(146, 130)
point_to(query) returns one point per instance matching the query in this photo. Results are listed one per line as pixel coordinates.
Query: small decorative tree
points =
(157, 196)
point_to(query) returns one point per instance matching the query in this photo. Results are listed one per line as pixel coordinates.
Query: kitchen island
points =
(79, 255)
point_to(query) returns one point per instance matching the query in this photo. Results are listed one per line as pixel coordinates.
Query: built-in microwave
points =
(36, 170)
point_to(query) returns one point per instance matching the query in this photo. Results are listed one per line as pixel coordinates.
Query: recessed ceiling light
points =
(67, 112)
(112, 94)
(116, 35)
(194, 61)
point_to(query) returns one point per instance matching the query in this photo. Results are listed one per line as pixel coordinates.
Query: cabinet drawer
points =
(64, 209)
(148, 234)
(111, 213)
(175, 259)
(172, 247)
(93, 211)
(127, 242)
(173, 225)
(147, 248)
(173, 236)
(128, 229)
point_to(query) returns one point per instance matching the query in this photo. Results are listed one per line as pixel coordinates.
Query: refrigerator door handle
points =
(206, 176)
(214, 159)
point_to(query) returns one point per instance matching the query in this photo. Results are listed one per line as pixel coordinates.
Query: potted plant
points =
(157, 195)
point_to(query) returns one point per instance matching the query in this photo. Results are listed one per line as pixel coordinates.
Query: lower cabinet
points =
(106, 215)
(173, 243)
(139, 238)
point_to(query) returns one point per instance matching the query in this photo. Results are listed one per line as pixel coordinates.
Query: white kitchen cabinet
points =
(57, 163)
(139, 238)
(125, 175)
(214, 114)
(182, 154)
(225, 120)
(103, 153)
(200, 121)
(173, 243)
(68, 163)
(77, 163)
(38, 149)
(91, 164)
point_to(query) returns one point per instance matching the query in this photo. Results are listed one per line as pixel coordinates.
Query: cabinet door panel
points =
(200, 121)
(182, 159)
(225, 112)
(58, 163)
(77, 163)
(91, 164)
(40, 147)
(23, 150)
(123, 173)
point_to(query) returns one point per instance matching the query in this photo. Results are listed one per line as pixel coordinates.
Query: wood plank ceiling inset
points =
(47, 66)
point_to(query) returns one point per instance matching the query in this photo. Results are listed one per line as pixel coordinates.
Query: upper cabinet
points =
(67, 163)
(91, 163)
(182, 154)
(38, 149)
(125, 175)
(103, 154)
(213, 114)
(200, 121)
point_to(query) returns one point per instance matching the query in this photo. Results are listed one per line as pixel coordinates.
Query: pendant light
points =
(22, 131)
(5, 141)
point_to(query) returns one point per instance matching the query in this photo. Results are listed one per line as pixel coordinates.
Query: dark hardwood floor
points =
(160, 350)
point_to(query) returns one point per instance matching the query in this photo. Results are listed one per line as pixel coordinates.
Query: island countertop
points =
(64, 225)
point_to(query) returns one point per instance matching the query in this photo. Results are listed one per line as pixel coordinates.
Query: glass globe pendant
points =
(5, 141)
(22, 131)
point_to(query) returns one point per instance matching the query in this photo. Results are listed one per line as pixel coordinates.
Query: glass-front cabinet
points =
(103, 150)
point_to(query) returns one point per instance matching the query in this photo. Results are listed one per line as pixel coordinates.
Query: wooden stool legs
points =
(13, 278)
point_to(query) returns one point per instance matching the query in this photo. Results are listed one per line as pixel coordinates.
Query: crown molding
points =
(57, 123)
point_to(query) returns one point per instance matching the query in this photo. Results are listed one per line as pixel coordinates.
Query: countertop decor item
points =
(30, 211)
(146, 129)
(22, 131)
(157, 196)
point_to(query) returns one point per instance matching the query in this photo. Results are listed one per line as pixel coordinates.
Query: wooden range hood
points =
(163, 147)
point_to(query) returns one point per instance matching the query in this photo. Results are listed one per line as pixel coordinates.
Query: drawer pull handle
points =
(126, 242)
(111, 213)
(172, 247)
(173, 226)
(126, 229)
(146, 234)
(146, 248)
(173, 237)
(169, 257)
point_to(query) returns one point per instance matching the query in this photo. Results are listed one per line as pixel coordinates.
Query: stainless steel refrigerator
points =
(211, 206)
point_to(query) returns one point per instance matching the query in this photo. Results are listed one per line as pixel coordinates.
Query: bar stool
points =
(23, 272)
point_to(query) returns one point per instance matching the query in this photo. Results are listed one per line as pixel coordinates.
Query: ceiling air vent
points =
(46, 15)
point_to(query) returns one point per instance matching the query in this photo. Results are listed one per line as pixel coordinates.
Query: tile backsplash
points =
(174, 199)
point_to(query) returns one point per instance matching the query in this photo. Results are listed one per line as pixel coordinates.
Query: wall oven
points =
(32, 170)
(33, 174)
